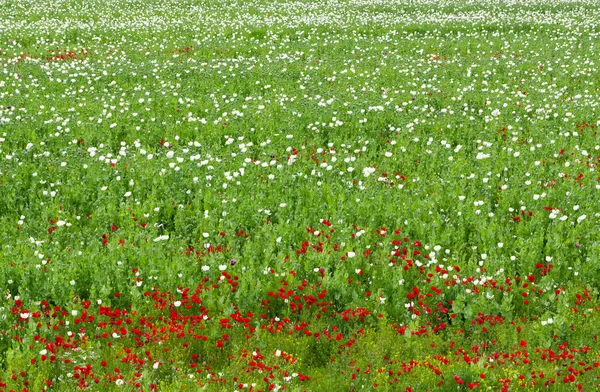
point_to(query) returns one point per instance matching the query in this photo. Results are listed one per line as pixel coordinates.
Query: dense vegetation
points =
(280, 195)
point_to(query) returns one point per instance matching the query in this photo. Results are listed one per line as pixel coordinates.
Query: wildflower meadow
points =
(336, 195)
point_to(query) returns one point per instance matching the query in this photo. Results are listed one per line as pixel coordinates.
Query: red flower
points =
(523, 343)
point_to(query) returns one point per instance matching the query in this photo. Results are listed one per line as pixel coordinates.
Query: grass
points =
(299, 196)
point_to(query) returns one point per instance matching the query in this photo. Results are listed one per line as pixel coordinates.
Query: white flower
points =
(127, 194)
(222, 267)
(278, 353)
(582, 217)
(367, 171)
(351, 255)
(177, 304)
(60, 223)
(156, 365)
(119, 382)
(205, 268)
(163, 237)
(496, 113)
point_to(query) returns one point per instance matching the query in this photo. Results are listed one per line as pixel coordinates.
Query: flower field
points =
(229, 195)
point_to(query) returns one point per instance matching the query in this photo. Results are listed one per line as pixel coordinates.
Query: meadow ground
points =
(299, 195)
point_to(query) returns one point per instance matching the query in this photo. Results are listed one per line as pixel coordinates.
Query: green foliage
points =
(225, 195)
